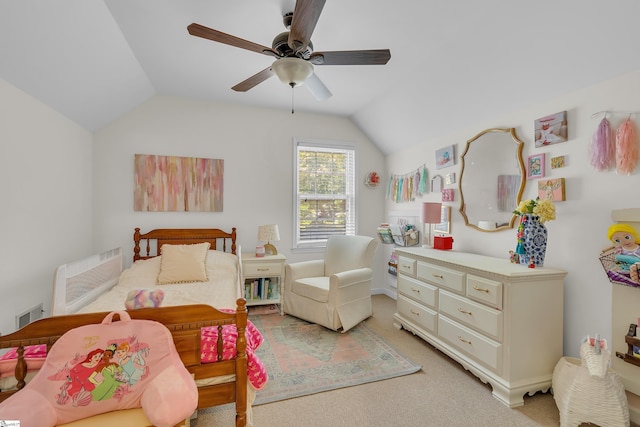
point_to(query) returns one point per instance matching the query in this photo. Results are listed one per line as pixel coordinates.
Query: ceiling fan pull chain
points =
(292, 97)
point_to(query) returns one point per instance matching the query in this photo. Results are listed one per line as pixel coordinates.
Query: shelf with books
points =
(263, 279)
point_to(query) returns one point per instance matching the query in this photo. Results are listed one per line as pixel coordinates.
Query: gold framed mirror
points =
(492, 179)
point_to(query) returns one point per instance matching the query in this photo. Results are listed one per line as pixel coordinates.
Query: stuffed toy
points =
(106, 367)
(143, 298)
(626, 244)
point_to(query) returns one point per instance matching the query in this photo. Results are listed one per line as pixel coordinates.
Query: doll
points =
(626, 244)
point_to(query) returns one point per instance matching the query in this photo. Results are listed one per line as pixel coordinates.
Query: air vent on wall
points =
(29, 316)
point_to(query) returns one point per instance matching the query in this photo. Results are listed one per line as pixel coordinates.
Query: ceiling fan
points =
(293, 51)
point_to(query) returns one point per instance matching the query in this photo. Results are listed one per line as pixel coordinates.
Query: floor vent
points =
(29, 316)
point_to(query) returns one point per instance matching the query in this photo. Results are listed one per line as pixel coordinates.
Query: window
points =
(325, 192)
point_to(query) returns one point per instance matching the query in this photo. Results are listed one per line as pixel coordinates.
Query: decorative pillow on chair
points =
(106, 367)
(143, 298)
(183, 263)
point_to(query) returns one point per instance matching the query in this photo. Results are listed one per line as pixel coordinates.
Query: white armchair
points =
(334, 292)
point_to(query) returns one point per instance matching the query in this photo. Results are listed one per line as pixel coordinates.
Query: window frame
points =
(352, 224)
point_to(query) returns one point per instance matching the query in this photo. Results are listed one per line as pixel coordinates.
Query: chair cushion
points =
(315, 288)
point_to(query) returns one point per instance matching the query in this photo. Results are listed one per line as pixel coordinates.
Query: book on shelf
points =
(385, 233)
(260, 289)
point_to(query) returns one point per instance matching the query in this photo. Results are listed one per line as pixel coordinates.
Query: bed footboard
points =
(185, 324)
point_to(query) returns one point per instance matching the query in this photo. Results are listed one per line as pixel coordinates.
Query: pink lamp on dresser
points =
(430, 214)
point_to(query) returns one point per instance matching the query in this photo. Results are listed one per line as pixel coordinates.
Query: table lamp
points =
(269, 233)
(431, 213)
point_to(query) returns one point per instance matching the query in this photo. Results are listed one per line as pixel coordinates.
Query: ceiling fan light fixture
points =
(292, 71)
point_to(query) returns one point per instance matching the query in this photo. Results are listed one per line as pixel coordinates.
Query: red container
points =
(442, 242)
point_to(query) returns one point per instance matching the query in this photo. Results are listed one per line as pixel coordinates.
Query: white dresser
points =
(501, 321)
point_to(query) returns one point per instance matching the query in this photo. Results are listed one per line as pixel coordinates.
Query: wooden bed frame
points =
(184, 322)
(182, 236)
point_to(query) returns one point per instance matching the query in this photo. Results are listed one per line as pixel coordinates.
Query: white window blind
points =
(325, 192)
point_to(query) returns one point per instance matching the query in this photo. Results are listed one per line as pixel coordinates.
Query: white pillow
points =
(183, 263)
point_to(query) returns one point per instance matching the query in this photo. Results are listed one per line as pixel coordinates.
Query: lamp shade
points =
(268, 233)
(431, 213)
(292, 71)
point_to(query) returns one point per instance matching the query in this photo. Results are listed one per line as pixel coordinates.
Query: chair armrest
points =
(296, 270)
(350, 277)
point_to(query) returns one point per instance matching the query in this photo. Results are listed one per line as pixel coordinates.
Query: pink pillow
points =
(100, 368)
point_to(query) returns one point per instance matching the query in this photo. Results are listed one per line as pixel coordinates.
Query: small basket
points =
(617, 271)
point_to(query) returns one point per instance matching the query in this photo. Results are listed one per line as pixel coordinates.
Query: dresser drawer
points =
(262, 269)
(485, 290)
(418, 314)
(441, 276)
(485, 319)
(419, 291)
(482, 349)
(407, 266)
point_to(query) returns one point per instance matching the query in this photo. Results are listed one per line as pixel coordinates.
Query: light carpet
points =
(303, 358)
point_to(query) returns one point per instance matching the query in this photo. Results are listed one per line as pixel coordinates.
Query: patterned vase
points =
(532, 235)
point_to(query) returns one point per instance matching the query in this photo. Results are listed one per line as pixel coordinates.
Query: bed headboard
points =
(219, 240)
(79, 282)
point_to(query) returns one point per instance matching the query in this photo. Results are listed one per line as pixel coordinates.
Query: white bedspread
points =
(221, 291)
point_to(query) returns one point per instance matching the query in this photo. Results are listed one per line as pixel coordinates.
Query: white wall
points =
(579, 233)
(257, 148)
(45, 215)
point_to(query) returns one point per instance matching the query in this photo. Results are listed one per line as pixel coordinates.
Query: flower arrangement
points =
(544, 209)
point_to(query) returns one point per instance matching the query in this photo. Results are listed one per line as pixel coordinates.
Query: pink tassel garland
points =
(603, 149)
(626, 148)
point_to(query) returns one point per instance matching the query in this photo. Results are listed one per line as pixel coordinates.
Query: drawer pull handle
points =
(480, 289)
(415, 290)
(463, 340)
(439, 276)
(415, 313)
(464, 311)
(406, 266)
(262, 269)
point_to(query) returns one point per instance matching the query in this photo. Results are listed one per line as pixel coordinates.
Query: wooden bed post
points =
(241, 363)
(233, 240)
(136, 246)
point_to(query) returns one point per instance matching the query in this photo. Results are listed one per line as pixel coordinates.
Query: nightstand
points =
(263, 278)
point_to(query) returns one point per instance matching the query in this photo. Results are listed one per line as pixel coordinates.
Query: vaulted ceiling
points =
(453, 63)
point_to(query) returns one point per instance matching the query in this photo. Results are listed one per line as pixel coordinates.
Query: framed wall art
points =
(558, 162)
(177, 184)
(552, 189)
(445, 157)
(450, 178)
(551, 129)
(535, 166)
(447, 195)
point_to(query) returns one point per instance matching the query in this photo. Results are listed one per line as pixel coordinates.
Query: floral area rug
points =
(303, 358)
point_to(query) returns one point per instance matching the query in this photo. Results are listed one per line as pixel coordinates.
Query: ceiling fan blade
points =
(305, 18)
(220, 37)
(254, 80)
(317, 88)
(351, 57)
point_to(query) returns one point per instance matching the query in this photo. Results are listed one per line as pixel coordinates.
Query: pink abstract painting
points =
(177, 184)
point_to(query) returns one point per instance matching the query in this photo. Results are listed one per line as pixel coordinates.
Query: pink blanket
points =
(256, 371)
